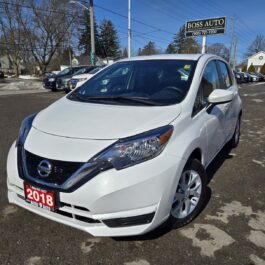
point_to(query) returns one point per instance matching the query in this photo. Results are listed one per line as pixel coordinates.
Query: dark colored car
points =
(260, 76)
(239, 77)
(2, 75)
(55, 82)
(246, 77)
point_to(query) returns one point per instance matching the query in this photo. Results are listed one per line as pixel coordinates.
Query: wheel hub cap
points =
(187, 195)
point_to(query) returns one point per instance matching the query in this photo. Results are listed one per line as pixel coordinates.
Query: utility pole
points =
(231, 39)
(234, 63)
(92, 32)
(129, 28)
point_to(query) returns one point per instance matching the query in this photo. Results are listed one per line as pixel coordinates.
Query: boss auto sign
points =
(203, 27)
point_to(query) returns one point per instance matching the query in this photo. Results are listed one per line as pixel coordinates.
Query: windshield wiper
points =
(141, 100)
(76, 96)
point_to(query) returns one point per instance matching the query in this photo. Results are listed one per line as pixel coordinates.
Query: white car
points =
(78, 80)
(127, 151)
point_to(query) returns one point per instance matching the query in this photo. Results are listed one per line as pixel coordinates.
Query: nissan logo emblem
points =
(44, 168)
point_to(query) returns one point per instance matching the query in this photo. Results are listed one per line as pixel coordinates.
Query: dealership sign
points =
(205, 27)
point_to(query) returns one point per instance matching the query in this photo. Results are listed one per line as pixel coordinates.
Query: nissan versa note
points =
(127, 151)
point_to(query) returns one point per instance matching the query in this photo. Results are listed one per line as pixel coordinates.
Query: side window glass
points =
(209, 82)
(225, 74)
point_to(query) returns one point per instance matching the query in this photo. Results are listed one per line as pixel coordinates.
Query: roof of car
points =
(193, 57)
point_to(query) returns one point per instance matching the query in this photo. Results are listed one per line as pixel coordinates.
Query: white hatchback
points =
(127, 151)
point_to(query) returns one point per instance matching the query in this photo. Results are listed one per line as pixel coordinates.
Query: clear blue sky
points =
(169, 15)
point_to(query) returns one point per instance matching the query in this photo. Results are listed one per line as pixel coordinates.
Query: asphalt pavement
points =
(230, 230)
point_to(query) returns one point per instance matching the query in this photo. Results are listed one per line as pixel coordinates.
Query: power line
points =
(133, 19)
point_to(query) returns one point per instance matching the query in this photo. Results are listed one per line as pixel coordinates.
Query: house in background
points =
(7, 67)
(5, 64)
(257, 60)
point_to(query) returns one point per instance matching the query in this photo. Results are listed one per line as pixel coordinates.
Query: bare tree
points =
(47, 26)
(35, 30)
(256, 46)
(13, 35)
(219, 49)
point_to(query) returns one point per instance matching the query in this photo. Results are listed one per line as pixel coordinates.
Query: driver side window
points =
(209, 82)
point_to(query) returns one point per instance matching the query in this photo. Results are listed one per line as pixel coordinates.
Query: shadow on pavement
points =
(218, 161)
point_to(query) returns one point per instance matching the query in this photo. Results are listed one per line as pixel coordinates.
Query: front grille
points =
(60, 170)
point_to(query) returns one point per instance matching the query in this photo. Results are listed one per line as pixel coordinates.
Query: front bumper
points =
(49, 85)
(146, 189)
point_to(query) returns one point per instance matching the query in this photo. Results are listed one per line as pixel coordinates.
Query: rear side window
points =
(225, 74)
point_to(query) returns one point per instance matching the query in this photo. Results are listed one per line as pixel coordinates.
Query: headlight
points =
(24, 129)
(82, 79)
(51, 79)
(133, 150)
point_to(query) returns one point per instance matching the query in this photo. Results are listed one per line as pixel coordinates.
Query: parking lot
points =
(230, 230)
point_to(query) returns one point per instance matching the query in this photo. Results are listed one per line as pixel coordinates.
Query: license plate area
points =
(40, 197)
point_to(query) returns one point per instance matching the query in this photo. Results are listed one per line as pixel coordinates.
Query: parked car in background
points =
(253, 77)
(128, 150)
(261, 77)
(239, 77)
(79, 79)
(62, 83)
(246, 77)
(2, 75)
(54, 82)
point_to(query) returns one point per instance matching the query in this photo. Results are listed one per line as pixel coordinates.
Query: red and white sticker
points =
(39, 197)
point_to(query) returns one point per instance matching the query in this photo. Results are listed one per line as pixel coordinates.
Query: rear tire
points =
(190, 197)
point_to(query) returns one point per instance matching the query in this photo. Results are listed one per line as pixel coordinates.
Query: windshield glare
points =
(84, 70)
(65, 71)
(163, 81)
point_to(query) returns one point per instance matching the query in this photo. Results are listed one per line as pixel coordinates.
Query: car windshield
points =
(84, 70)
(65, 71)
(143, 82)
(95, 70)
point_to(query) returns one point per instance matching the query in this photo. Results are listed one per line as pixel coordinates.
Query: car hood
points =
(83, 120)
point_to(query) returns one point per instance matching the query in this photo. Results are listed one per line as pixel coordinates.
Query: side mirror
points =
(220, 96)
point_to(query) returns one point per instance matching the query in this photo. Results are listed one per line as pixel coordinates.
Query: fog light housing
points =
(130, 221)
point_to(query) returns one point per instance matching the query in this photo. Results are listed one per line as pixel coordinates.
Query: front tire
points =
(190, 195)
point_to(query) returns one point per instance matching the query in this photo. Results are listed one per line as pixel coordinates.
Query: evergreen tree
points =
(149, 49)
(108, 38)
(251, 69)
(181, 44)
(262, 70)
(170, 49)
(85, 38)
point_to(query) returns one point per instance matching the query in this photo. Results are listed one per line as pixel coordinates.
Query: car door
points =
(229, 109)
(213, 118)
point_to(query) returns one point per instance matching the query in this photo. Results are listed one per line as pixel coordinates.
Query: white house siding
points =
(257, 60)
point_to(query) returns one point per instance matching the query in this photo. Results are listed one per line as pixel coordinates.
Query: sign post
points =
(204, 44)
(204, 27)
